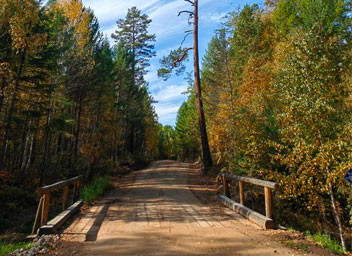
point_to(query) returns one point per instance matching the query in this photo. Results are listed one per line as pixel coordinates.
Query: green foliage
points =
(7, 248)
(187, 130)
(321, 16)
(133, 33)
(297, 246)
(174, 61)
(96, 189)
(326, 241)
(167, 142)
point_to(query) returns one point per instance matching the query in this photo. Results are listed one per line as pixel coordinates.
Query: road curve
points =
(157, 214)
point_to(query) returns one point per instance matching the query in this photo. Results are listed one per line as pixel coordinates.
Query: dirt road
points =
(155, 213)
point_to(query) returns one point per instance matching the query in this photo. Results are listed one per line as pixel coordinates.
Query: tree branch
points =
(184, 39)
(189, 1)
(189, 12)
(182, 57)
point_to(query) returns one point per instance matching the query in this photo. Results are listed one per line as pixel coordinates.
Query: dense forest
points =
(70, 103)
(276, 81)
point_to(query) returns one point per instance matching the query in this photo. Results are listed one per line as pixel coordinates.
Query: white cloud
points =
(110, 10)
(169, 98)
(170, 93)
(167, 113)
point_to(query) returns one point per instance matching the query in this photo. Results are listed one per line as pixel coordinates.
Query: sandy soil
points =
(156, 212)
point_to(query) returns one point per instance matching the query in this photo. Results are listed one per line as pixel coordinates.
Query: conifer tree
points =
(133, 33)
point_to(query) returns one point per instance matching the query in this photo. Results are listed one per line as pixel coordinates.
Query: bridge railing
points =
(265, 221)
(41, 218)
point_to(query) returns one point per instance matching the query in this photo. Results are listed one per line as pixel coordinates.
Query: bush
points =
(96, 189)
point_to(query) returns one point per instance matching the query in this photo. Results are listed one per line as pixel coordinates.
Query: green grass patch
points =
(6, 248)
(326, 241)
(96, 189)
(297, 246)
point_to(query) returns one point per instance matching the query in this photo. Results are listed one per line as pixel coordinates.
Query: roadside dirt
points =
(170, 209)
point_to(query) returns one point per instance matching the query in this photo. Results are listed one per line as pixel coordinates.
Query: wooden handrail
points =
(42, 215)
(254, 181)
(57, 185)
(268, 186)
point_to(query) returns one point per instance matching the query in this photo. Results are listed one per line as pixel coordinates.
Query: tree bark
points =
(46, 139)
(336, 215)
(2, 92)
(12, 108)
(201, 119)
(78, 127)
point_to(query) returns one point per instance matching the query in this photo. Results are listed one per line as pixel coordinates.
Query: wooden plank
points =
(38, 217)
(240, 184)
(45, 209)
(60, 219)
(253, 216)
(268, 202)
(254, 181)
(57, 185)
(65, 197)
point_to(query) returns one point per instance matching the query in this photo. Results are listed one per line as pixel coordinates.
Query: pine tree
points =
(133, 33)
(174, 60)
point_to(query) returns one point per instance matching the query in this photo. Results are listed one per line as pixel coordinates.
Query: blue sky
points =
(169, 30)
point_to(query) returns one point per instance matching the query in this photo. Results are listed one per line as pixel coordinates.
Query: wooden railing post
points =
(45, 209)
(38, 215)
(78, 189)
(268, 202)
(240, 184)
(65, 198)
(226, 186)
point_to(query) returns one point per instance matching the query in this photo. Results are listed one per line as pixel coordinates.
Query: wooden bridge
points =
(158, 211)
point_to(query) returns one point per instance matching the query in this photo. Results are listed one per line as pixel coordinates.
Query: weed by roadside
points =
(6, 248)
(326, 241)
(96, 189)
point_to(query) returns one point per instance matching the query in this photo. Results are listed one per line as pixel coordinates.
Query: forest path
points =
(155, 212)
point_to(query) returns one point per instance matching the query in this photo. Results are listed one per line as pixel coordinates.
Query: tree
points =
(133, 33)
(174, 60)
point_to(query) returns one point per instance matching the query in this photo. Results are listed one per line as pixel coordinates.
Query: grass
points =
(96, 189)
(326, 241)
(297, 246)
(6, 248)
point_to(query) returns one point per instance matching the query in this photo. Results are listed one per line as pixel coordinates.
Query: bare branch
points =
(189, 12)
(182, 57)
(184, 39)
(189, 1)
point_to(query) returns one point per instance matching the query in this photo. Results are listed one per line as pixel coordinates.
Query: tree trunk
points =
(25, 150)
(78, 127)
(9, 119)
(2, 92)
(31, 147)
(201, 119)
(46, 139)
(336, 215)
